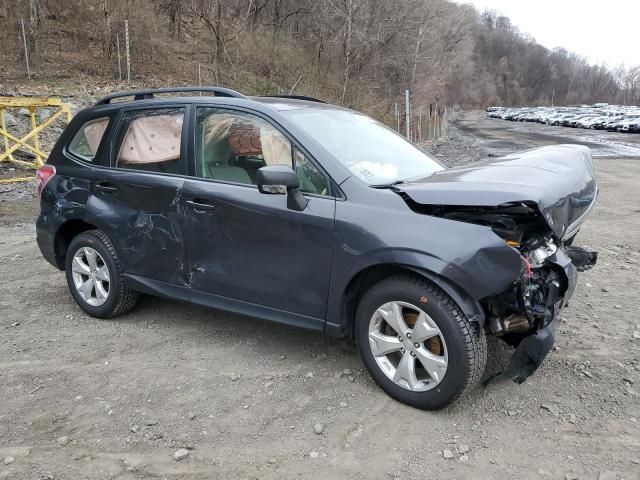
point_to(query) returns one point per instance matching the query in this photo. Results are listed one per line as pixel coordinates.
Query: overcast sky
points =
(603, 31)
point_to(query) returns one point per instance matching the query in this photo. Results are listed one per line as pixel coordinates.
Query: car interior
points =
(233, 146)
(230, 147)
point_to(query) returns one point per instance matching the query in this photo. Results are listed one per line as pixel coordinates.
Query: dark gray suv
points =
(299, 212)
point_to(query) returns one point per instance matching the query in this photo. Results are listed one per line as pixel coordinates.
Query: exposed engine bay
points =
(523, 315)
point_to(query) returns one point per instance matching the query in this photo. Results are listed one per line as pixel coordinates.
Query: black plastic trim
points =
(177, 292)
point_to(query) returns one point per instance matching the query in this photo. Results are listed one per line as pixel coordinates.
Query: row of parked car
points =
(601, 116)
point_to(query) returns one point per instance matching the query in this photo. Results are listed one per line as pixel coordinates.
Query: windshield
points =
(374, 153)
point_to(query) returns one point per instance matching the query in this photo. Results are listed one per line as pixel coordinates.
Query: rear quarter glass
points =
(87, 139)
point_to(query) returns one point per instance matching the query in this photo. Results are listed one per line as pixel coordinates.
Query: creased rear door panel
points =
(145, 222)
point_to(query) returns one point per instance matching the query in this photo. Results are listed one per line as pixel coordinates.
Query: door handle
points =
(106, 188)
(200, 204)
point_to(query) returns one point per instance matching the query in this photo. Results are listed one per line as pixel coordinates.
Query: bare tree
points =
(173, 9)
(34, 26)
(210, 12)
(362, 53)
(106, 37)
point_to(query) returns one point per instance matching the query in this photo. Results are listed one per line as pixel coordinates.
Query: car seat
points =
(215, 164)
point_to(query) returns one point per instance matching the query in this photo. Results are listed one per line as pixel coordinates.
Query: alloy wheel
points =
(91, 276)
(408, 346)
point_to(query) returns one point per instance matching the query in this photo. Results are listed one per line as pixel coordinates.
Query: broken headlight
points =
(539, 255)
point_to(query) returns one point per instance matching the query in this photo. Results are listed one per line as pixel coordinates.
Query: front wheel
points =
(417, 344)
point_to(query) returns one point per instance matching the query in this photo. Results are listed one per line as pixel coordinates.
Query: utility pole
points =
(126, 47)
(26, 51)
(397, 119)
(119, 61)
(407, 114)
(436, 126)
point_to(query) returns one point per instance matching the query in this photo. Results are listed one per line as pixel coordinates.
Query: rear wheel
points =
(94, 276)
(417, 344)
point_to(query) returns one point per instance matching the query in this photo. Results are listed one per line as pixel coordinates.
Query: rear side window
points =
(87, 139)
(151, 140)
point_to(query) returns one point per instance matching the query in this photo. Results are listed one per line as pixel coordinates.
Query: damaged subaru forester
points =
(295, 211)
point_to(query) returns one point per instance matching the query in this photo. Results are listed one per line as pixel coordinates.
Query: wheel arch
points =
(373, 274)
(65, 234)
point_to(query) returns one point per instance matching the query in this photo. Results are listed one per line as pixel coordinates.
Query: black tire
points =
(466, 342)
(120, 298)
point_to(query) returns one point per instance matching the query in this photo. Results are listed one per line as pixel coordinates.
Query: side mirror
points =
(281, 180)
(276, 176)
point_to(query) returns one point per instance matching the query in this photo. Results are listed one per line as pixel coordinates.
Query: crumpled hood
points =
(560, 179)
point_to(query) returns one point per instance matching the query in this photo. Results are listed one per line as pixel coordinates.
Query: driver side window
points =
(231, 146)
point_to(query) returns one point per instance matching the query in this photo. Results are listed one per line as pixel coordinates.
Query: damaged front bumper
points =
(528, 355)
(562, 261)
(532, 332)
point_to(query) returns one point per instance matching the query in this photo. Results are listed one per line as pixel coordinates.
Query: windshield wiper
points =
(388, 185)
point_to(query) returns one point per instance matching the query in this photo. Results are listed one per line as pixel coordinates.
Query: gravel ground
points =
(176, 391)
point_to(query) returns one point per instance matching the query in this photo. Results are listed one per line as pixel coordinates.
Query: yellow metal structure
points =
(30, 141)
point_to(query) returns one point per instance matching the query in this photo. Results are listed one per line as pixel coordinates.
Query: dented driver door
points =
(245, 246)
(248, 246)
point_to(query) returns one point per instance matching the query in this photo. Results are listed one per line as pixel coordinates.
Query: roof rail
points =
(147, 94)
(296, 97)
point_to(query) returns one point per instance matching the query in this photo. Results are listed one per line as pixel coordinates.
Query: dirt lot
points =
(84, 398)
(474, 137)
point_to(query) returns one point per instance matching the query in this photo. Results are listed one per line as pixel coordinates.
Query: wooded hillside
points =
(362, 53)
